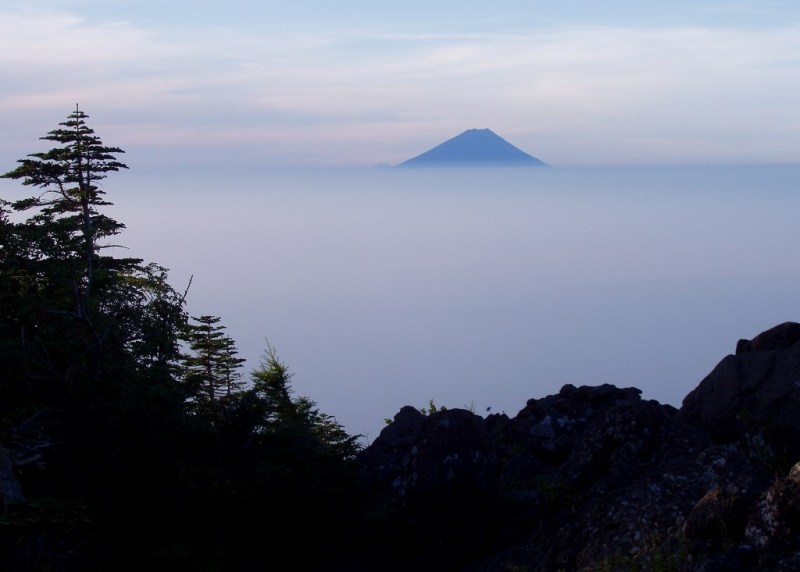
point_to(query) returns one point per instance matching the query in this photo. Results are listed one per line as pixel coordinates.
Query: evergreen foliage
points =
(118, 451)
(211, 368)
(298, 416)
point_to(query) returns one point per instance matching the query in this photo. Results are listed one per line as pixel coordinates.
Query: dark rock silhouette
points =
(753, 391)
(595, 478)
(474, 147)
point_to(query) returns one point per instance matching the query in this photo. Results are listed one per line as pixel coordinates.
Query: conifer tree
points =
(69, 221)
(67, 298)
(93, 401)
(300, 416)
(90, 340)
(211, 368)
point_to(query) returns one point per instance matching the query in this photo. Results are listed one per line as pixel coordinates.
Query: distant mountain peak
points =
(474, 147)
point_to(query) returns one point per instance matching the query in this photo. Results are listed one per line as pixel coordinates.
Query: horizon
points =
(303, 83)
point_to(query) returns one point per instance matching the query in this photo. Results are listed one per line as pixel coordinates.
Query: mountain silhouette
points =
(474, 147)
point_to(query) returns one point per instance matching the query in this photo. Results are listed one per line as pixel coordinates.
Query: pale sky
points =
(240, 84)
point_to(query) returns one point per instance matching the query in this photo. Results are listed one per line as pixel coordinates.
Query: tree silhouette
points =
(211, 368)
(118, 451)
(89, 342)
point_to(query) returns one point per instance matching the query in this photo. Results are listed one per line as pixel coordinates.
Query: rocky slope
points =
(595, 478)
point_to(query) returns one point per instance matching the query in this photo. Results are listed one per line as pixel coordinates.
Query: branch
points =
(186, 292)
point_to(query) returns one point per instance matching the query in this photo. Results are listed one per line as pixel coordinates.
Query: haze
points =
(478, 288)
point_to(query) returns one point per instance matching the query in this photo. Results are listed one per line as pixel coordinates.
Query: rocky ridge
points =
(596, 478)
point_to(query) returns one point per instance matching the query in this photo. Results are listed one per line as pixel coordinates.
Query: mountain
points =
(474, 147)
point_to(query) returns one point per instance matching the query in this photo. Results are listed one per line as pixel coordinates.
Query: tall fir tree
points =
(211, 368)
(69, 221)
(68, 298)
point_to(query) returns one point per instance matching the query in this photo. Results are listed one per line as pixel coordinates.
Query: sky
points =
(243, 84)
(432, 290)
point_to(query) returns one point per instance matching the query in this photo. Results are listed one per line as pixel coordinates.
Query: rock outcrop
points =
(754, 394)
(595, 478)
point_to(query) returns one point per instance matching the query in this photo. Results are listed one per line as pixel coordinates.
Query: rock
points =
(720, 516)
(776, 520)
(781, 337)
(753, 396)
(381, 461)
(595, 478)
(436, 477)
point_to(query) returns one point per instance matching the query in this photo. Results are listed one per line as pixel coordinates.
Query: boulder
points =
(754, 396)
(780, 337)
